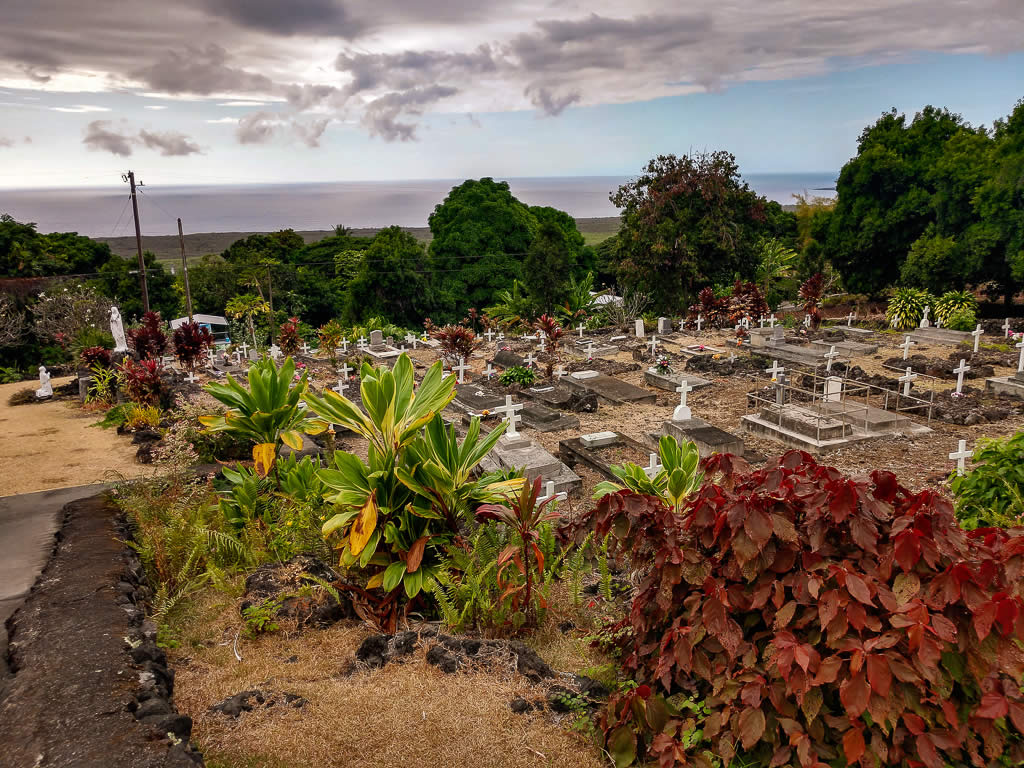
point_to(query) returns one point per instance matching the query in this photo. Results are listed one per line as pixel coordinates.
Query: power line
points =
(123, 209)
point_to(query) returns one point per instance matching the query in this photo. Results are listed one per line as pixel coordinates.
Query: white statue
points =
(45, 389)
(117, 329)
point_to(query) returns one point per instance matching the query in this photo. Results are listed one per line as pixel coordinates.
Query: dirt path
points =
(52, 445)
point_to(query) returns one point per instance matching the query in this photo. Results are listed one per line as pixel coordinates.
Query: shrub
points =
(906, 307)
(961, 320)
(88, 338)
(142, 417)
(148, 339)
(992, 493)
(678, 479)
(330, 336)
(713, 309)
(811, 291)
(953, 302)
(746, 301)
(190, 341)
(104, 380)
(823, 620)
(552, 331)
(90, 357)
(288, 337)
(456, 341)
(518, 374)
(142, 382)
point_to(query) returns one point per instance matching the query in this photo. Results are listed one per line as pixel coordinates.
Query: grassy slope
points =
(196, 245)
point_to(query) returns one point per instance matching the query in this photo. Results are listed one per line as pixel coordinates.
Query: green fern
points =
(576, 566)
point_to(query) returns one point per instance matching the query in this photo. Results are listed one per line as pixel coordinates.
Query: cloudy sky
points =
(208, 91)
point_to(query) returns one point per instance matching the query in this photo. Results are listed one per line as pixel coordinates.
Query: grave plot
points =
(729, 364)
(669, 381)
(937, 367)
(473, 400)
(609, 389)
(599, 451)
(1011, 386)
(932, 335)
(708, 438)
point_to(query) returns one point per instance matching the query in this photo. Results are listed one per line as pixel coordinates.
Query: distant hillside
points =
(199, 244)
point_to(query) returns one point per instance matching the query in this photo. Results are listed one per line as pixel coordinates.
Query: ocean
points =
(104, 212)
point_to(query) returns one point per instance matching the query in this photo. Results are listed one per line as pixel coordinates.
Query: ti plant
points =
(678, 479)
(268, 412)
(399, 511)
(523, 514)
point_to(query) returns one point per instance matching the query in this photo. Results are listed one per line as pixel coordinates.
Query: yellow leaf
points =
(264, 455)
(364, 525)
(375, 581)
(292, 439)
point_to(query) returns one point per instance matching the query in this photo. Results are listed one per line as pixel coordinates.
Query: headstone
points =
(960, 370)
(664, 325)
(977, 333)
(833, 389)
(584, 375)
(778, 333)
(117, 331)
(960, 455)
(1020, 358)
(253, 355)
(376, 340)
(510, 415)
(45, 388)
(906, 345)
(654, 346)
(682, 411)
(507, 359)
(829, 357)
(639, 328)
(924, 318)
(275, 352)
(599, 439)
(908, 377)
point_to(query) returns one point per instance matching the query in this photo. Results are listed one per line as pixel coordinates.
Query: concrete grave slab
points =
(598, 439)
(933, 335)
(669, 381)
(708, 438)
(1006, 385)
(612, 390)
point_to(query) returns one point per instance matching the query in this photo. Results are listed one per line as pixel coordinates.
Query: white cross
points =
(775, 370)
(530, 336)
(745, 322)
(924, 318)
(191, 378)
(212, 354)
(402, 348)
(580, 329)
(977, 334)
(543, 344)
(361, 342)
(700, 322)
(344, 370)
(305, 348)
(489, 335)
(682, 389)
(245, 348)
(772, 321)
(829, 357)
(960, 455)
(344, 346)
(340, 389)
(907, 344)
(424, 337)
(906, 379)
(549, 493)
(653, 467)
(732, 358)
(238, 357)
(1006, 326)
(654, 345)
(760, 322)
(511, 415)
(807, 321)
(559, 372)
(530, 360)
(461, 368)
(501, 335)
(850, 318)
(682, 324)
(1020, 360)
(489, 372)
(960, 371)
(410, 339)
(938, 322)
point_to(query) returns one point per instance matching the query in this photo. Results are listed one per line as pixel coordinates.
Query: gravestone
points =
(669, 381)
(598, 439)
(377, 341)
(639, 329)
(664, 325)
(1010, 385)
(610, 389)
(506, 359)
(708, 438)
(833, 389)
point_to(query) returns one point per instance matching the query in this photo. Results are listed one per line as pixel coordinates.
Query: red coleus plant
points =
(810, 291)
(288, 337)
(190, 341)
(822, 620)
(712, 310)
(456, 341)
(142, 382)
(746, 301)
(148, 339)
(90, 356)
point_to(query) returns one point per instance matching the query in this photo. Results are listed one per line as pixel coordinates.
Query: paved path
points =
(27, 525)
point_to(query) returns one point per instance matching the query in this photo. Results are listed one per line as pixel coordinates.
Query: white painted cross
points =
(245, 349)
(654, 345)
(559, 372)
(682, 411)
(772, 321)
(501, 335)
(212, 354)
(829, 357)
(340, 389)
(960, 455)
(529, 337)
(906, 345)
(344, 370)
(1006, 327)
(549, 493)
(410, 339)
(361, 342)
(908, 377)
(424, 337)
(807, 321)
(1020, 360)
(489, 371)
(977, 333)
(344, 346)
(760, 321)
(580, 329)
(530, 360)
(924, 318)
(191, 378)
(653, 467)
(238, 356)
(305, 348)
(850, 318)
(700, 322)
(775, 370)
(489, 335)
(511, 415)
(461, 368)
(732, 358)
(543, 344)
(960, 371)
(745, 322)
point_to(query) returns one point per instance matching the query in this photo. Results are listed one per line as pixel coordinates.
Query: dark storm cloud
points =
(100, 138)
(549, 103)
(202, 71)
(320, 18)
(381, 116)
(170, 143)
(411, 69)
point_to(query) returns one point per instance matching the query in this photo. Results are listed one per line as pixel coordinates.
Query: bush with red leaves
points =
(288, 337)
(190, 341)
(552, 331)
(148, 339)
(810, 291)
(456, 341)
(90, 356)
(142, 382)
(823, 620)
(713, 310)
(746, 301)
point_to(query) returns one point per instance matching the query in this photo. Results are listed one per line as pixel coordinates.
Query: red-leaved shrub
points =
(142, 382)
(746, 301)
(90, 356)
(190, 341)
(712, 310)
(810, 291)
(823, 621)
(456, 341)
(288, 337)
(148, 339)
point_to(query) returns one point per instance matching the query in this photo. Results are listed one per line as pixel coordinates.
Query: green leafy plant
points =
(142, 417)
(101, 388)
(823, 619)
(906, 307)
(247, 308)
(776, 262)
(961, 320)
(115, 416)
(259, 617)
(518, 374)
(513, 308)
(953, 303)
(678, 478)
(330, 335)
(10, 375)
(992, 493)
(580, 300)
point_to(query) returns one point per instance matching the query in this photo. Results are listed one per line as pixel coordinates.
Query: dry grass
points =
(405, 714)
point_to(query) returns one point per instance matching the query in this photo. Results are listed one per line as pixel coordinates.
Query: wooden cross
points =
(580, 329)
(489, 335)
(361, 342)
(340, 389)
(530, 360)
(461, 368)
(772, 321)
(191, 378)
(700, 322)
(344, 370)
(489, 372)
(653, 467)
(305, 348)
(775, 370)
(245, 348)
(1006, 327)
(511, 415)
(829, 357)
(682, 389)
(344, 346)
(960, 456)
(850, 318)
(654, 345)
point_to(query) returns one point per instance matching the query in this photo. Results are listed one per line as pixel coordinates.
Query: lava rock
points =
(443, 659)
(373, 651)
(179, 725)
(283, 581)
(582, 402)
(235, 705)
(520, 706)
(591, 688)
(528, 663)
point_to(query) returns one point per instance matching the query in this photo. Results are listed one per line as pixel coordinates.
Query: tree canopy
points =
(391, 281)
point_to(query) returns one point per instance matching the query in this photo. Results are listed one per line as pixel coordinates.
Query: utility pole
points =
(184, 272)
(270, 295)
(130, 178)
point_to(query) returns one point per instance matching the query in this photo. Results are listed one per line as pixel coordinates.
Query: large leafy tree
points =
(690, 221)
(24, 252)
(391, 280)
(212, 282)
(548, 267)
(119, 281)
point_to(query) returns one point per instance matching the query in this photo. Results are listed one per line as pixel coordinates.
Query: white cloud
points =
(155, 106)
(81, 108)
(242, 104)
(223, 121)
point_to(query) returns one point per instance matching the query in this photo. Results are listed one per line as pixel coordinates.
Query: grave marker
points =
(906, 345)
(654, 345)
(772, 321)
(549, 493)
(960, 371)
(489, 371)
(191, 378)
(833, 389)
(305, 348)
(682, 411)
(700, 322)
(977, 334)
(245, 348)
(653, 467)
(829, 357)
(580, 329)
(1020, 359)
(559, 372)
(850, 318)
(1006, 327)
(664, 325)
(925, 323)
(639, 328)
(489, 335)
(960, 456)
(361, 342)
(511, 416)
(908, 377)
(461, 368)
(807, 321)
(530, 360)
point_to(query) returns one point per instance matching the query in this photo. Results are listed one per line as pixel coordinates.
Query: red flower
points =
(643, 691)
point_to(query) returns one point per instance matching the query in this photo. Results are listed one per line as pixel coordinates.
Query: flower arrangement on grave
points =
(662, 365)
(300, 369)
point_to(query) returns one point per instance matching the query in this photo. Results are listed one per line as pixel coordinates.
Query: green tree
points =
(937, 263)
(24, 252)
(548, 267)
(689, 222)
(119, 281)
(776, 263)
(391, 281)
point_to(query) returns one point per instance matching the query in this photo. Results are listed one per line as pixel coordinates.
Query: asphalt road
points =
(28, 523)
